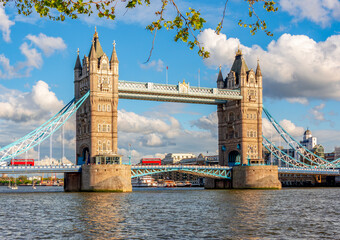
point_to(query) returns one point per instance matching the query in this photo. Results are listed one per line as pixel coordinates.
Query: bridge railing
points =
(168, 89)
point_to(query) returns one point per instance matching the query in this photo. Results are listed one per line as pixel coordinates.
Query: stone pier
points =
(256, 177)
(248, 177)
(100, 178)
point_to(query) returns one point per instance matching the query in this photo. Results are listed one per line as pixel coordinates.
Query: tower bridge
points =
(238, 97)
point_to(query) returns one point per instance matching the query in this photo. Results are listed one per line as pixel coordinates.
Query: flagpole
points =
(166, 74)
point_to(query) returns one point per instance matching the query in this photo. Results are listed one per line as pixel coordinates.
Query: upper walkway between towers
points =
(182, 92)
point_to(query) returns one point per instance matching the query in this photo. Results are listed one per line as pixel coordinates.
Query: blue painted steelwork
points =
(297, 146)
(42, 132)
(284, 157)
(39, 169)
(315, 171)
(223, 172)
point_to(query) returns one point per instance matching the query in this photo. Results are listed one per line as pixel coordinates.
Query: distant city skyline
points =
(300, 66)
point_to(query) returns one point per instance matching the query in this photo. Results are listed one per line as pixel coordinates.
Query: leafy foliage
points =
(186, 24)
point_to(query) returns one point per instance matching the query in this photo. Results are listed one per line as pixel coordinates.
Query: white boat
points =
(15, 187)
(144, 181)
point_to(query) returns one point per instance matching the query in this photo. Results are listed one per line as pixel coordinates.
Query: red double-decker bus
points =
(22, 162)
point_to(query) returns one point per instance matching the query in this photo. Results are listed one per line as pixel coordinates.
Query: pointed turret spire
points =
(258, 69)
(78, 64)
(92, 54)
(96, 45)
(239, 52)
(220, 81)
(220, 77)
(114, 57)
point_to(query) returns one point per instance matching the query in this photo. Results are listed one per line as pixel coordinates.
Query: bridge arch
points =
(234, 158)
(84, 158)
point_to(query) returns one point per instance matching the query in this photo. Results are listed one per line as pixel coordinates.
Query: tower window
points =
(99, 145)
(99, 107)
(109, 108)
(104, 108)
(231, 116)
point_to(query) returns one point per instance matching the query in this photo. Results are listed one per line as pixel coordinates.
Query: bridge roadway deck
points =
(152, 169)
(182, 92)
(39, 169)
(310, 171)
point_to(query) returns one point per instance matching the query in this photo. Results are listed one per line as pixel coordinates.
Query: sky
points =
(300, 66)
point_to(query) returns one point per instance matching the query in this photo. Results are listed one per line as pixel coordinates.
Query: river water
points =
(49, 213)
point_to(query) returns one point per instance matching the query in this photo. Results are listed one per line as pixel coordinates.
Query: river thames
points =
(194, 213)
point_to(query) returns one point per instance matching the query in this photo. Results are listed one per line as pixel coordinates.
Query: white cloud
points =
(47, 44)
(147, 134)
(293, 67)
(33, 57)
(8, 71)
(270, 132)
(207, 123)
(318, 116)
(22, 112)
(23, 107)
(321, 12)
(300, 100)
(153, 140)
(158, 65)
(5, 25)
(133, 123)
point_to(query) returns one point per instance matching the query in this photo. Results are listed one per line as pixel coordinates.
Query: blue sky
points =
(300, 66)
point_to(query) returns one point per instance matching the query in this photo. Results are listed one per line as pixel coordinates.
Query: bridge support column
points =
(72, 182)
(211, 183)
(256, 177)
(110, 177)
(99, 178)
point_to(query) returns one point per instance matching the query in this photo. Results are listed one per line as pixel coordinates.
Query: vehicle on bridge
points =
(22, 162)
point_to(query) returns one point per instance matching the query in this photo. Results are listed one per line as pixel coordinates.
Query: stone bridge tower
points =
(240, 122)
(96, 119)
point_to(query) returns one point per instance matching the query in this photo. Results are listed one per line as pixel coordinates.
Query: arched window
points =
(104, 108)
(108, 107)
(98, 107)
(231, 116)
(108, 145)
(108, 127)
(99, 127)
(104, 127)
(104, 146)
(99, 145)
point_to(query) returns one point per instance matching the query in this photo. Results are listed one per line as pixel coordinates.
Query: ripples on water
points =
(49, 213)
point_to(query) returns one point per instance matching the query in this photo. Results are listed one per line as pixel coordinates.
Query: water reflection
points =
(103, 214)
(171, 214)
